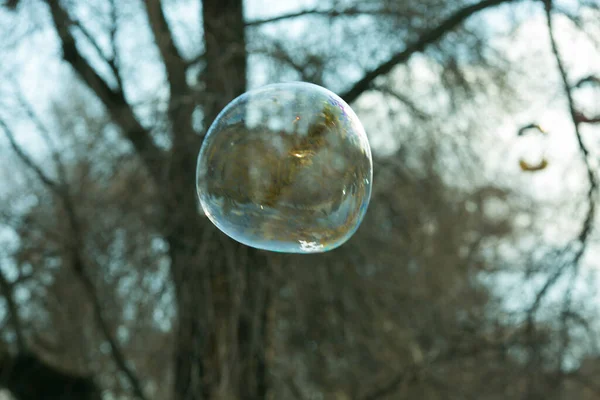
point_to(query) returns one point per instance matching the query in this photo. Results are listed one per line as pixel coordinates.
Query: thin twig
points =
(586, 228)
(114, 100)
(349, 12)
(110, 61)
(112, 34)
(60, 167)
(415, 109)
(592, 180)
(46, 180)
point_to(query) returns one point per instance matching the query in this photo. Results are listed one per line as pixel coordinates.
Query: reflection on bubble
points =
(286, 168)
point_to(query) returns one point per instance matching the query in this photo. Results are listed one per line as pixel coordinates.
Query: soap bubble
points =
(286, 168)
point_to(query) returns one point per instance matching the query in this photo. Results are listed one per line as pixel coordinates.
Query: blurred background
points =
(473, 275)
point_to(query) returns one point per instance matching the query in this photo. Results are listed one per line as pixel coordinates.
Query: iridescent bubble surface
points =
(286, 168)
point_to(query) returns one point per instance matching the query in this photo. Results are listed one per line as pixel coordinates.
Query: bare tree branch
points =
(117, 353)
(181, 101)
(11, 4)
(348, 12)
(60, 167)
(114, 100)
(586, 228)
(419, 45)
(592, 180)
(415, 109)
(279, 53)
(112, 34)
(289, 16)
(78, 260)
(46, 180)
(110, 61)
(174, 62)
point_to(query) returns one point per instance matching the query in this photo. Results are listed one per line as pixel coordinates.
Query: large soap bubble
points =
(286, 168)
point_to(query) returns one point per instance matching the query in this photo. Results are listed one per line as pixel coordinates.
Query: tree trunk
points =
(221, 286)
(225, 42)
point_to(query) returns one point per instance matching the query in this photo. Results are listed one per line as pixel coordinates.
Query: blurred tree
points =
(116, 272)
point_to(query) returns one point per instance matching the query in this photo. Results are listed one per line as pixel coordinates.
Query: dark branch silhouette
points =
(565, 263)
(584, 233)
(110, 61)
(45, 133)
(114, 100)
(586, 229)
(425, 40)
(348, 12)
(174, 62)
